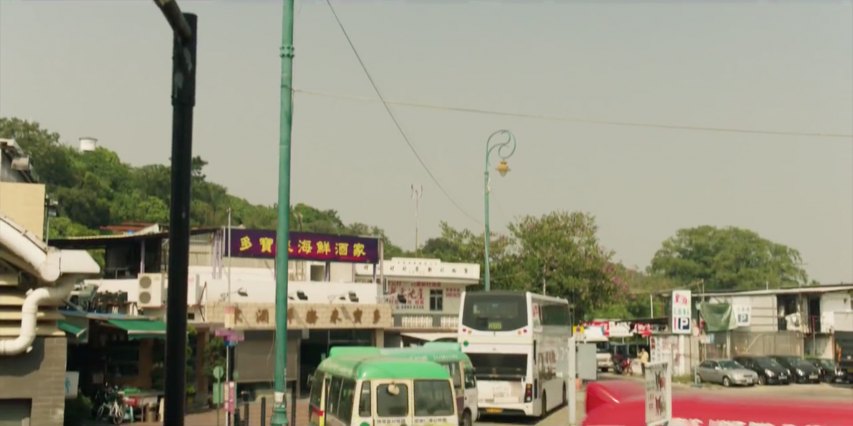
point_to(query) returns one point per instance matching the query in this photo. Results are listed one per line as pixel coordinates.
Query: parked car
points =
(727, 372)
(829, 371)
(801, 370)
(768, 369)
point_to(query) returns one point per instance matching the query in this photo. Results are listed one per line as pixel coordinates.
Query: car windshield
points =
(827, 363)
(801, 363)
(768, 363)
(730, 365)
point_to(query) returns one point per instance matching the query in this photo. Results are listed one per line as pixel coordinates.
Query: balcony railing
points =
(426, 321)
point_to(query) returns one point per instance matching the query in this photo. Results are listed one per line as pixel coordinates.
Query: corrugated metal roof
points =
(797, 290)
(93, 241)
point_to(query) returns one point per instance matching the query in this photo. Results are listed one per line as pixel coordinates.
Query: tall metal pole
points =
(229, 255)
(279, 416)
(183, 101)
(228, 345)
(505, 150)
(417, 193)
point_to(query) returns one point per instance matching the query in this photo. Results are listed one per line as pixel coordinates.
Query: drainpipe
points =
(29, 313)
(45, 267)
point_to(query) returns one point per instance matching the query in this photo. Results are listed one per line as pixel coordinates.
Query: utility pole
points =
(279, 416)
(184, 65)
(228, 344)
(417, 193)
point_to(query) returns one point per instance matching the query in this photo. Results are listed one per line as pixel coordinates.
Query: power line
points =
(579, 120)
(393, 117)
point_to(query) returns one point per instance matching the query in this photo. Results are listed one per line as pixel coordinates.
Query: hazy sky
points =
(102, 69)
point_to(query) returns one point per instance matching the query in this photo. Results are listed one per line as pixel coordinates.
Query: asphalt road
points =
(817, 391)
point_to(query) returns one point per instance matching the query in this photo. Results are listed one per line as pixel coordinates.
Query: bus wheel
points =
(466, 419)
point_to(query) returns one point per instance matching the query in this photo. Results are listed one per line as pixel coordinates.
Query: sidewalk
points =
(209, 417)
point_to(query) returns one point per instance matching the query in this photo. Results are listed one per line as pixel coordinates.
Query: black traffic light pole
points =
(184, 26)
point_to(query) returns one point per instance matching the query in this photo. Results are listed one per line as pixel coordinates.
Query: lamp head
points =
(503, 168)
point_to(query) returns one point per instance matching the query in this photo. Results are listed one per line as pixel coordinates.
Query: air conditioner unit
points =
(151, 290)
(21, 164)
(195, 291)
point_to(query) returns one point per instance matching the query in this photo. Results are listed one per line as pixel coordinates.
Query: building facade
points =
(34, 280)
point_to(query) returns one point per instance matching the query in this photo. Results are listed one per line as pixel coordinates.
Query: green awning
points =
(71, 329)
(141, 328)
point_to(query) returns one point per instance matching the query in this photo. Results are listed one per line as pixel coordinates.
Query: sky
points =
(102, 69)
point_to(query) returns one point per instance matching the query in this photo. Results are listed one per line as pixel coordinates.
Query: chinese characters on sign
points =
(305, 246)
(681, 312)
(658, 380)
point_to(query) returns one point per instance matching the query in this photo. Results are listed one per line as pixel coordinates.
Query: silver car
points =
(727, 372)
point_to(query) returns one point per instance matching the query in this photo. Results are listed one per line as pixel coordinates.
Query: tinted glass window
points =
(345, 403)
(494, 312)
(433, 398)
(364, 401)
(334, 395)
(391, 405)
(497, 366)
(555, 314)
(470, 381)
(316, 389)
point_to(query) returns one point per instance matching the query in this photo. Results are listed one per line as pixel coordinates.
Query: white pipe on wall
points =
(29, 249)
(29, 315)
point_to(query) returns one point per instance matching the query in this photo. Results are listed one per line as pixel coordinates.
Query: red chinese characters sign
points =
(305, 246)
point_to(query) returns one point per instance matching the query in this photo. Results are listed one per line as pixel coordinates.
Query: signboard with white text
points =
(681, 312)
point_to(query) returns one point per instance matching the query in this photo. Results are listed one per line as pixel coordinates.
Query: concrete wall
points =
(38, 376)
(24, 204)
(829, 304)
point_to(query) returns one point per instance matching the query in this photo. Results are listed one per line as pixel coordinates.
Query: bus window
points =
(494, 312)
(433, 398)
(333, 395)
(495, 366)
(392, 400)
(316, 390)
(345, 405)
(455, 375)
(364, 401)
(470, 381)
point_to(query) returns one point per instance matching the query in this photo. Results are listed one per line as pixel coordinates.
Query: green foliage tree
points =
(727, 259)
(95, 189)
(561, 252)
(558, 249)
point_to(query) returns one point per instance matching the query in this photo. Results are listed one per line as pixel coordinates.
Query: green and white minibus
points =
(447, 354)
(369, 390)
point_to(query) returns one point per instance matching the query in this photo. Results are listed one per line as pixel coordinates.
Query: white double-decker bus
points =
(518, 344)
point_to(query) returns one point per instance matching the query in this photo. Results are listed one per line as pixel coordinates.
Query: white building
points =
(424, 295)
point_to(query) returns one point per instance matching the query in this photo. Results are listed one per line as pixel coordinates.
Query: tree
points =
(560, 252)
(727, 259)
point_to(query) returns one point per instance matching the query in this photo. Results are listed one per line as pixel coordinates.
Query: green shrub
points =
(77, 410)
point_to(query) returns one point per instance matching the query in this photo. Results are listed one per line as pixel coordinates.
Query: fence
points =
(757, 343)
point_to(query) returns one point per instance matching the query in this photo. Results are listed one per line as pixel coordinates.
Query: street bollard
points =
(263, 411)
(237, 417)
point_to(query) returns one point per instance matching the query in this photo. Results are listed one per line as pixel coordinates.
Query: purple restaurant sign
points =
(305, 246)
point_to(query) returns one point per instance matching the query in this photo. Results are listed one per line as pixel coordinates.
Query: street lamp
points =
(505, 150)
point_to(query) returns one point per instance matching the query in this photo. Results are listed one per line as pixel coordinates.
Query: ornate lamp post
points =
(505, 148)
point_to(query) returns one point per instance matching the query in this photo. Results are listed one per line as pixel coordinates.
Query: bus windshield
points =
(494, 312)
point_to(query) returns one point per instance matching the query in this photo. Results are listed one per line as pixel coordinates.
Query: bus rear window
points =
(392, 400)
(494, 312)
(433, 398)
(498, 366)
